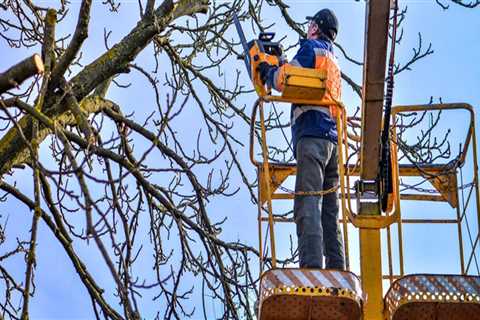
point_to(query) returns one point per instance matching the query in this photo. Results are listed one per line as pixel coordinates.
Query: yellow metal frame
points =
(360, 221)
(369, 239)
(265, 191)
(272, 175)
(470, 140)
(369, 225)
(365, 221)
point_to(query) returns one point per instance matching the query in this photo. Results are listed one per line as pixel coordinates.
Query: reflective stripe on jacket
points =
(309, 120)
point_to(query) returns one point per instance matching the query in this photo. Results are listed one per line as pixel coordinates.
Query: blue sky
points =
(451, 73)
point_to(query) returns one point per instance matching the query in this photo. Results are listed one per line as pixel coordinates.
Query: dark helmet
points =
(327, 22)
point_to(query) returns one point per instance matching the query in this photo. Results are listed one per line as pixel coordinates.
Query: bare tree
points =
(102, 176)
(111, 181)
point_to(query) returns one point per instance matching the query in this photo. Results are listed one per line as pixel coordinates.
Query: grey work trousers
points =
(316, 216)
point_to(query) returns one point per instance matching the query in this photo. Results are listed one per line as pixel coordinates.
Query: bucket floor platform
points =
(434, 297)
(310, 294)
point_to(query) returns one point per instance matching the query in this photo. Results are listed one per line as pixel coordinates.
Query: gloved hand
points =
(263, 69)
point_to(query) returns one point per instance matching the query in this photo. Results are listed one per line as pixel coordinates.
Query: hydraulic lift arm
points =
(376, 36)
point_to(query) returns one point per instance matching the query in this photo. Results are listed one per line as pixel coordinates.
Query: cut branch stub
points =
(23, 70)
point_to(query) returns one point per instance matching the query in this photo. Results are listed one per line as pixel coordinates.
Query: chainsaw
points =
(257, 51)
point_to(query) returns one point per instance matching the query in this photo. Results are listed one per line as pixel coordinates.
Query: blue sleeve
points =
(305, 56)
(271, 76)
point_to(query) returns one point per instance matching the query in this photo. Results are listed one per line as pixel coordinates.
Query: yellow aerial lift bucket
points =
(309, 294)
(428, 296)
(292, 293)
(289, 293)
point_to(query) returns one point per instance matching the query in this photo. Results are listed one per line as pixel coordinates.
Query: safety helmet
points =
(327, 22)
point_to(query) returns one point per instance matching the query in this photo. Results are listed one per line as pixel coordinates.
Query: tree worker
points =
(314, 139)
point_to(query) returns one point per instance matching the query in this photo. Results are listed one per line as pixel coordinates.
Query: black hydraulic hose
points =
(385, 180)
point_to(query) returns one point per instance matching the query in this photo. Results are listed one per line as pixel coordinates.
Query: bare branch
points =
(81, 33)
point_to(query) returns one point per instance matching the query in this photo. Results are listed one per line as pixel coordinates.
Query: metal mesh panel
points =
(426, 297)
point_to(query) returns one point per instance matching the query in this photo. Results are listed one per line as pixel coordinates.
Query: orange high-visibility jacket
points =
(308, 120)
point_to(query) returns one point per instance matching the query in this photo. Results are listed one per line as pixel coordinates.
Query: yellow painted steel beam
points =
(283, 196)
(422, 197)
(409, 221)
(460, 237)
(411, 197)
(277, 176)
(266, 176)
(371, 273)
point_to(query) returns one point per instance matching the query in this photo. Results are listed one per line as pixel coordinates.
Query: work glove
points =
(263, 69)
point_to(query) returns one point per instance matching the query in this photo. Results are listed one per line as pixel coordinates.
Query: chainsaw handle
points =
(257, 56)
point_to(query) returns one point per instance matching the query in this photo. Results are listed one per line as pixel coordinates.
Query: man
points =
(314, 138)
